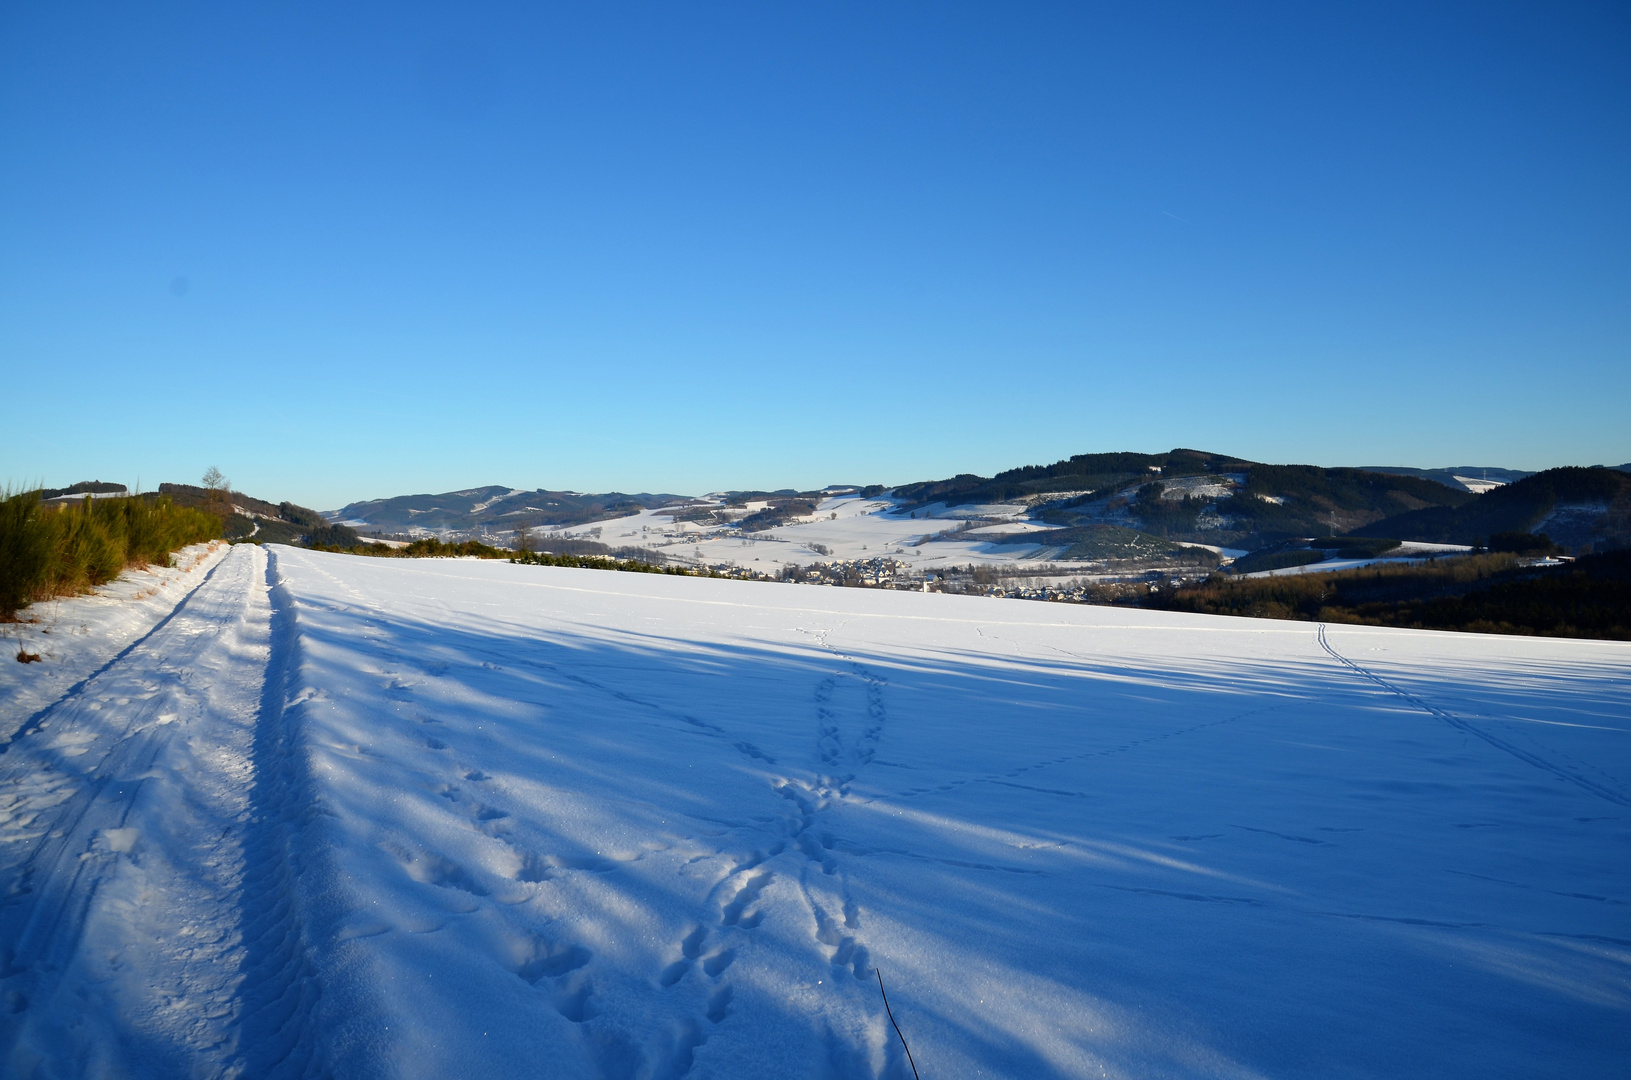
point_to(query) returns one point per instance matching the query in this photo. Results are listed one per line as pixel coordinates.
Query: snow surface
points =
(436, 818)
(76, 635)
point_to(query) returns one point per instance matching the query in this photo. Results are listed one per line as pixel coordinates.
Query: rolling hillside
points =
(1576, 507)
(1196, 496)
(495, 508)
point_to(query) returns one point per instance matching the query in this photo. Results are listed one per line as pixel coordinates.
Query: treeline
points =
(48, 551)
(432, 548)
(84, 487)
(604, 562)
(266, 523)
(1259, 561)
(779, 512)
(427, 548)
(1164, 517)
(1275, 502)
(468, 510)
(1104, 542)
(1493, 593)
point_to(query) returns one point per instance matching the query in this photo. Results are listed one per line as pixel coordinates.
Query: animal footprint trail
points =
(847, 951)
(850, 718)
(690, 949)
(736, 912)
(573, 999)
(719, 1005)
(715, 965)
(551, 960)
(676, 1058)
(817, 852)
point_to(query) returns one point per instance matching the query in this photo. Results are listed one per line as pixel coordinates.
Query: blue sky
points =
(681, 247)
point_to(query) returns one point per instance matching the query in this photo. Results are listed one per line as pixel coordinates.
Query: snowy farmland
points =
(443, 818)
(842, 527)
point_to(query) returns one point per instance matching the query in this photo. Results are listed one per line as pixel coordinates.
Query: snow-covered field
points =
(844, 527)
(354, 817)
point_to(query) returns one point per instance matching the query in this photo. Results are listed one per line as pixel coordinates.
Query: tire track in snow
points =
(118, 914)
(135, 748)
(276, 1037)
(1586, 784)
(32, 724)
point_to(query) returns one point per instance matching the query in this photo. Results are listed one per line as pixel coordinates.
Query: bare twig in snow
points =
(891, 1013)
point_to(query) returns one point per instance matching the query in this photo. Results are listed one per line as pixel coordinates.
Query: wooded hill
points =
(1302, 500)
(244, 517)
(497, 508)
(1449, 477)
(1080, 473)
(1575, 507)
(1259, 504)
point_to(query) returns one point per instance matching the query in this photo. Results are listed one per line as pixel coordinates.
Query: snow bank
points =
(74, 636)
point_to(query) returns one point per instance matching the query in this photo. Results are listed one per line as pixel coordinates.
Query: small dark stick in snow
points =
(891, 1013)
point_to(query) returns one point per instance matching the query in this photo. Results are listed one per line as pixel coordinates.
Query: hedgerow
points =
(58, 550)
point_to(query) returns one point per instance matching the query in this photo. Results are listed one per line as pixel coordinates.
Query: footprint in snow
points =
(735, 912)
(550, 960)
(690, 949)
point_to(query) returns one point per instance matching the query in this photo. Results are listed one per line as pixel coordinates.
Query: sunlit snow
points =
(449, 818)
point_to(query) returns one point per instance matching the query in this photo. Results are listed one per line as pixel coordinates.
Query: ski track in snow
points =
(350, 817)
(1614, 793)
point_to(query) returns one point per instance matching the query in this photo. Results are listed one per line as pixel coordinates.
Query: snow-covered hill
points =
(840, 528)
(476, 511)
(436, 818)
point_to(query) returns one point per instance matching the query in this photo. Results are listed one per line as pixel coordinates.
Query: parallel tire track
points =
(159, 863)
(77, 846)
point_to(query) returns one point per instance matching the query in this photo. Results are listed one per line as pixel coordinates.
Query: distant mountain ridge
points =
(493, 507)
(1183, 496)
(1196, 496)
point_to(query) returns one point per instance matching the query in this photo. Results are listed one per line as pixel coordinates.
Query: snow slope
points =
(451, 818)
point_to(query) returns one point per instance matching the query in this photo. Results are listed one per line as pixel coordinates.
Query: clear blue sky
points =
(347, 250)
